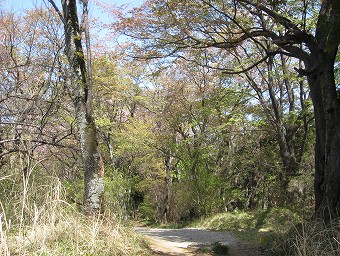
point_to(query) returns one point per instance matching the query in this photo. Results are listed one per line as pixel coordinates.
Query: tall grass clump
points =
(35, 219)
(311, 238)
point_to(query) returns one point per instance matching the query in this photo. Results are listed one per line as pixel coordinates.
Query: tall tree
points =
(81, 90)
(170, 27)
(283, 97)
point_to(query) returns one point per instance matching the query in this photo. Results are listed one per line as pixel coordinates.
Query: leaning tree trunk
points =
(327, 111)
(81, 90)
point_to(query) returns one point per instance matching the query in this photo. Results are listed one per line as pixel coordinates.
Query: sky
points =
(20, 5)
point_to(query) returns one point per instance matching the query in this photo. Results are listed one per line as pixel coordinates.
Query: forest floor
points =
(194, 241)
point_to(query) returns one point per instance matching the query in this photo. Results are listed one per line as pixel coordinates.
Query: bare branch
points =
(57, 10)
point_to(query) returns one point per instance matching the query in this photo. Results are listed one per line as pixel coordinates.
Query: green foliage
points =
(135, 138)
(147, 211)
(183, 204)
(117, 192)
(74, 192)
(152, 206)
(219, 248)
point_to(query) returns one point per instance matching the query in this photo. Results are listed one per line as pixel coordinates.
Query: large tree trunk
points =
(327, 146)
(81, 90)
(327, 111)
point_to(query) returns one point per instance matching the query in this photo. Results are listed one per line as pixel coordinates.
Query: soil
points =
(193, 241)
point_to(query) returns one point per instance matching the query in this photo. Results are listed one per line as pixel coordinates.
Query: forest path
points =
(188, 241)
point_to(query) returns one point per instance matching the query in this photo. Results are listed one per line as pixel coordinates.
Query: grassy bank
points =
(279, 231)
(35, 219)
(257, 227)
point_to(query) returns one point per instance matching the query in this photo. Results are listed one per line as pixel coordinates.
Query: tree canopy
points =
(240, 36)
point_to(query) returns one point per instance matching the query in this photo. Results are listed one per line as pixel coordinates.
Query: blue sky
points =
(19, 5)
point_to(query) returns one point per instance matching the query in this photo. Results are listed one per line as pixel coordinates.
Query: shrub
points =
(219, 248)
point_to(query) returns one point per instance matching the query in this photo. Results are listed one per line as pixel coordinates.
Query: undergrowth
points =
(35, 219)
(309, 238)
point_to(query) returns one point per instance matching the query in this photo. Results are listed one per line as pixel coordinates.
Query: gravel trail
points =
(187, 241)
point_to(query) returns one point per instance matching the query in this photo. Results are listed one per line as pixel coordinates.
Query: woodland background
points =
(183, 133)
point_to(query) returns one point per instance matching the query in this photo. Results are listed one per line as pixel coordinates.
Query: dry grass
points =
(313, 238)
(35, 220)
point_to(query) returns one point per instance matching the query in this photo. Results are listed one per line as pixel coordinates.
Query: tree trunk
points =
(168, 181)
(327, 111)
(327, 146)
(81, 88)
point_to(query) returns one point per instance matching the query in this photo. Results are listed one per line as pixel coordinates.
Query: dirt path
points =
(188, 241)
